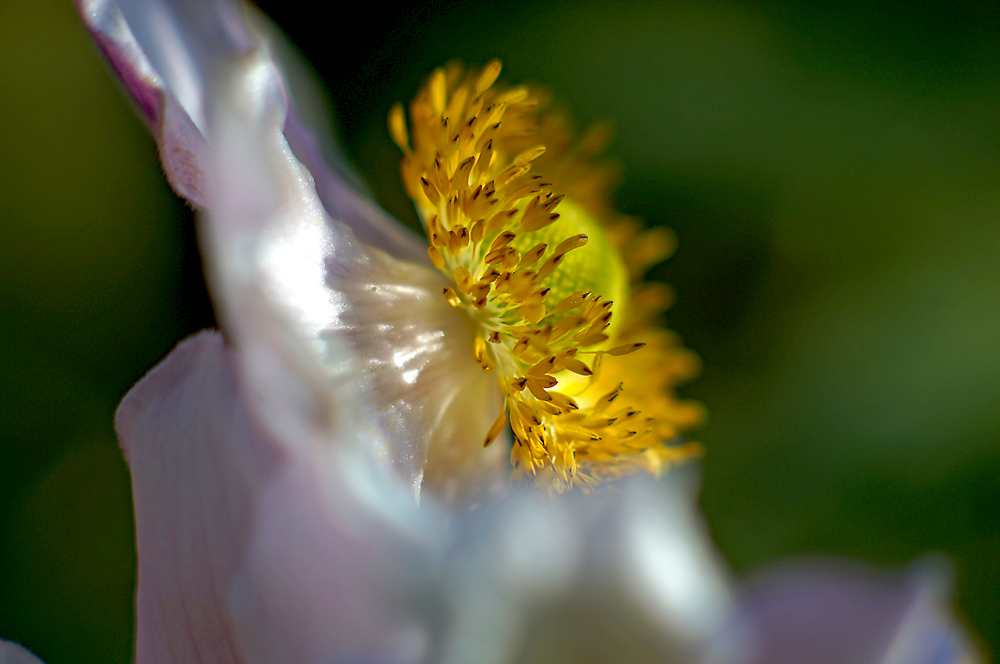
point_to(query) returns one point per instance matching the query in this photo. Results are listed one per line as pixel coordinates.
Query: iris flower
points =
(311, 483)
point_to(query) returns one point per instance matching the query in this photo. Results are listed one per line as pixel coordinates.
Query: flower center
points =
(544, 280)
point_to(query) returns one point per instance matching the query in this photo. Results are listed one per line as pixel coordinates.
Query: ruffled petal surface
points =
(326, 323)
(332, 330)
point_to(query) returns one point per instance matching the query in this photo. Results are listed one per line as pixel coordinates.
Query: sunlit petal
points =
(323, 317)
(335, 334)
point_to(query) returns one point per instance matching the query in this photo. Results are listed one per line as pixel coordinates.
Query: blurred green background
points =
(830, 168)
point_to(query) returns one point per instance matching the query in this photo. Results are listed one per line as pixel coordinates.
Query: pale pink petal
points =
(252, 549)
(325, 322)
(197, 458)
(167, 97)
(11, 653)
(325, 578)
(162, 51)
(829, 612)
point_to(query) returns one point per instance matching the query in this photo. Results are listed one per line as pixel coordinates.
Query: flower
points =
(278, 473)
(277, 476)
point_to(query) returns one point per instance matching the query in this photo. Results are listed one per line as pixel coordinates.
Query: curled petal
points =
(338, 337)
(328, 324)
(195, 459)
(164, 52)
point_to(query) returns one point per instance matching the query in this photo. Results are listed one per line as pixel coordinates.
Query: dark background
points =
(831, 170)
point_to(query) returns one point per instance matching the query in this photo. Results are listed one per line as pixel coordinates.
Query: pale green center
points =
(595, 267)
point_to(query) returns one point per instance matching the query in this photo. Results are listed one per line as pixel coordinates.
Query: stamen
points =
(470, 156)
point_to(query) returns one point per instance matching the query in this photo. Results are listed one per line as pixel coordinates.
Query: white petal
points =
(196, 459)
(164, 52)
(342, 341)
(339, 337)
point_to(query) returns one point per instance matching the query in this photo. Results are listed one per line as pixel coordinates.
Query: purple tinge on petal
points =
(249, 550)
(615, 576)
(831, 613)
(325, 323)
(168, 104)
(11, 653)
(166, 52)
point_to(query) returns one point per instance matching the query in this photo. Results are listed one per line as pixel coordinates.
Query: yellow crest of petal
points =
(517, 218)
